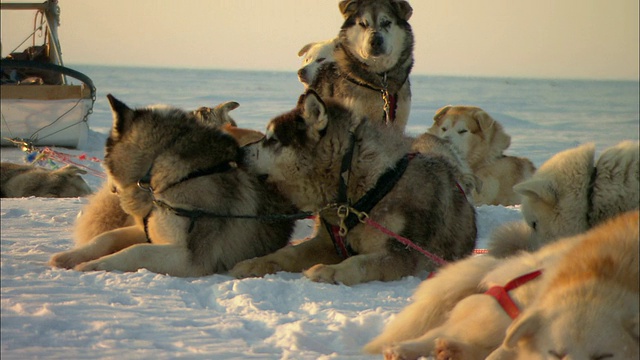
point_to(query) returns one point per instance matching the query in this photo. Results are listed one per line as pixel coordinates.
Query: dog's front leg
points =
(171, 259)
(295, 258)
(383, 266)
(101, 245)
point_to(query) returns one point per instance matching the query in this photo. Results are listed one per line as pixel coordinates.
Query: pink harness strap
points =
(501, 293)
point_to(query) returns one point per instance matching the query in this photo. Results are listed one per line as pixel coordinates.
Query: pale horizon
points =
(569, 39)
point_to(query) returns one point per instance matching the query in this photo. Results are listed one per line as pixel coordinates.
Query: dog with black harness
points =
(199, 210)
(355, 174)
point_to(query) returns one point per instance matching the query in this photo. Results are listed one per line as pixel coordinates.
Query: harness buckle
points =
(343, 213)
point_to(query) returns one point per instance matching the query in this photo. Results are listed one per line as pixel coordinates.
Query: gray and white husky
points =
(185, 185)
(315, 157)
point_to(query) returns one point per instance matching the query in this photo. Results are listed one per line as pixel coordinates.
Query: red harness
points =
(501, 293)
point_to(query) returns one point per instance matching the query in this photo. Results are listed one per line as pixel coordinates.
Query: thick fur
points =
(169, 144)
(452, 318)
(315, 56)
(587, 306)
(302, 157)
(28, 180)
(481, 141)
(104, 213)
(563, 197)
(374, 42)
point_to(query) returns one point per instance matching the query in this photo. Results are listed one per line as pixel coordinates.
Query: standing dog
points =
(452, 317)
(27, 180)
(569, 195)
(316, 55)
(482, 141)
(373, 59)
(314, 156)
(185, 184)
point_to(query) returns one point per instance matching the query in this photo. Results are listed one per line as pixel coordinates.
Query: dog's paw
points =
(256, 267)
(447, 349)
(399, 352)
(67, 259)
(333, 274)
(104, 264)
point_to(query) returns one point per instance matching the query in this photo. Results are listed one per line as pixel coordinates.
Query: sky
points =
(592, 39)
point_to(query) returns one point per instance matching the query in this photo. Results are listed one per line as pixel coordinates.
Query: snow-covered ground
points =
(54, 313)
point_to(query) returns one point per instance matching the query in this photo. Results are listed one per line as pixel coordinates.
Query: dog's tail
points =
(101, 214)
(511, 238)
(433, 300)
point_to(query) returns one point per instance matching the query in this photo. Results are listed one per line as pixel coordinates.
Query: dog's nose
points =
(377, 42)
(302, 75)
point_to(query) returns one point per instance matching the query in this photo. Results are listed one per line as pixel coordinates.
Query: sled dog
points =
(186, 186)
(569, 195)
(27, 180)
(481, 140)
(315, 55)
(588, 303)
(453, 315)
(373, 59)
(104, 213)
(314, 156)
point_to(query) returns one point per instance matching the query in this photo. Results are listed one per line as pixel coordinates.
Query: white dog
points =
(316, 55)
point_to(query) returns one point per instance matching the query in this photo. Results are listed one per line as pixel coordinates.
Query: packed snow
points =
(54, 313)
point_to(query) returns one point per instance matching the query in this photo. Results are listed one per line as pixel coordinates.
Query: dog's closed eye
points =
(321, 60)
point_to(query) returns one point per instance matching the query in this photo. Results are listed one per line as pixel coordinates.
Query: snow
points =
(55, 313)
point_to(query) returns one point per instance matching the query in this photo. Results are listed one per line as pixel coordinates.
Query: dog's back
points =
(28, 180)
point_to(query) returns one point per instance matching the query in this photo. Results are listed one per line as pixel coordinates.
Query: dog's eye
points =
(385, 24)
(462, 131)
(362, 24)
(321, 60)
(600, 357)
(443, 128)
(534, 225)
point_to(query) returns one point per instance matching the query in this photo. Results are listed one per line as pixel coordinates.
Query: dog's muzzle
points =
(377, 44)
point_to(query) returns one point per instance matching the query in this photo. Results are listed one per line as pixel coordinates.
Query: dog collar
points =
(501, 293)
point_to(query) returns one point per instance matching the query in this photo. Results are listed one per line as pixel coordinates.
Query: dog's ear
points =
(221, 112)
(315, 111)
(71, 170)
(244, 137)
(122, 116)
(524, 326)
(348, 8)
(441, 112)
(492, 130)
(305, 49)
(538, 189)
(403, 8)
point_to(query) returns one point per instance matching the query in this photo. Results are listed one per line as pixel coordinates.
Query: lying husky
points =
(104, 213)
(458, 315)
(187, 188)
(373, 59)
(316, 55)
(588, 303)
(482, 141)
(28, 180)
(568, 195)
(314, 156)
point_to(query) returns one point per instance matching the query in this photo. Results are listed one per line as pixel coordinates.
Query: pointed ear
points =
(315, 111)
(221, 112)
(347, 8)
(492, 129)
(71, 170)
(539, 189)
(525, 326)
(403, 8)
(440, 113)
(122, 116)
(305, 49)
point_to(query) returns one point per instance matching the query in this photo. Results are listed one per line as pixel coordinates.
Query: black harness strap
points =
(590, 191)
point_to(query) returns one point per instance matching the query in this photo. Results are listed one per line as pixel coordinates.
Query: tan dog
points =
(452, 318)
(570, 194)
(588, 303)
(482, 141)
(28, 180)
(316, 55)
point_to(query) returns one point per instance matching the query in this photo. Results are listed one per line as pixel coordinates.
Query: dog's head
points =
(472, 131)
(70, 183)
(315, 55)
(376, 32)
(216, 116)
